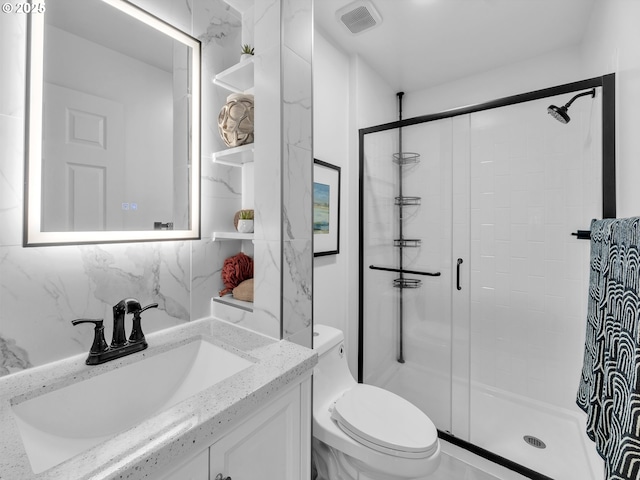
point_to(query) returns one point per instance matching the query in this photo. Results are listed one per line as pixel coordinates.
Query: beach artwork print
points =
(326, 208)
(321, 208)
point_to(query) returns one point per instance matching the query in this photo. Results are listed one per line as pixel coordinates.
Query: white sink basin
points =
(61, 424)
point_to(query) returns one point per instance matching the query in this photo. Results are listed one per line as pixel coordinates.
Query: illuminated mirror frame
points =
(33, 236)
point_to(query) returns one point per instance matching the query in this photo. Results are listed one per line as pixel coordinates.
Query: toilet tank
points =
(326, 337)
(331, 376)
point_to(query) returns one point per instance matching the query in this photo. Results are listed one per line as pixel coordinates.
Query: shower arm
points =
(591, 92)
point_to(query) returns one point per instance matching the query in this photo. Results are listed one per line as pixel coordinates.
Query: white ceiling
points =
(422, 43)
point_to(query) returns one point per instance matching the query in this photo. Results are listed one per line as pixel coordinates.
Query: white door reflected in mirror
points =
(82, 171)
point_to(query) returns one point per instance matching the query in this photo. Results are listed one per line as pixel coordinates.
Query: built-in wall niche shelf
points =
(406, 158)
(232, 302)
(236, 156)
(408, 201)
(407, 242)
(241, 156)
(237, 78)
(232, 236)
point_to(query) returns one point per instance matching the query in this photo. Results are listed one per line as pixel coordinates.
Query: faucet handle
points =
(151, 305)
(99, 344)
(136, 330)
(132, 305)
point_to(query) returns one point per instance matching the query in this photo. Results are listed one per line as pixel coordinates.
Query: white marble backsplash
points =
(43, 288)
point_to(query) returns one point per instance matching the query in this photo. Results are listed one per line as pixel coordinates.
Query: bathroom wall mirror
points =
(113, 126)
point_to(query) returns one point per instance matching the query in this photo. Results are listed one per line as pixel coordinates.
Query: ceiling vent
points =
(359, 16)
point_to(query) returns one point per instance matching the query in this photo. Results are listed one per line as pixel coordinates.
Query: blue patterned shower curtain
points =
(609, 389)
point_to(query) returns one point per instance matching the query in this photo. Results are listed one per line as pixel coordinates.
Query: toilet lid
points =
(385, 422)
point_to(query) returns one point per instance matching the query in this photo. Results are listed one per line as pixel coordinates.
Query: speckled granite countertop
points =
(148, 448)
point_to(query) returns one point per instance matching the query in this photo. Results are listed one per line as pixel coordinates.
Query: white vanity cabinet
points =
(274, 442)
(196, 468)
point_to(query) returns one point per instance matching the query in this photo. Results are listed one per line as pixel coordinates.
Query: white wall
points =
(374, 100)
(555, 68)
(331, 144)
(348, 95)
(612, 44)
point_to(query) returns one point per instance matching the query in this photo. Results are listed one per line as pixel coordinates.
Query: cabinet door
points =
(196, 468)
(271, 445)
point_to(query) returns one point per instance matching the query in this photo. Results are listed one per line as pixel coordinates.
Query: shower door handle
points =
(458, 274)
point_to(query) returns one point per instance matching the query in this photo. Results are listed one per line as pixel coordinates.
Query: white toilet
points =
(362, 432)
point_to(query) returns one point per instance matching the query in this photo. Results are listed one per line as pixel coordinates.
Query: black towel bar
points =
(582, 234)
(400, 270)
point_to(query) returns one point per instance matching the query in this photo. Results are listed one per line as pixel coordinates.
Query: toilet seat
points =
(385, 422)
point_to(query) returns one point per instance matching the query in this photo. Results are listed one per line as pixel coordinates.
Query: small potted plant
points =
(245, 221)
(247, 52)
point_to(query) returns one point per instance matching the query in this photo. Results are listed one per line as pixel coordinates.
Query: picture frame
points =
(326, 208)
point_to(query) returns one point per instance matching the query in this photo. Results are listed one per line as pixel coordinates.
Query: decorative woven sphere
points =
(235, 120)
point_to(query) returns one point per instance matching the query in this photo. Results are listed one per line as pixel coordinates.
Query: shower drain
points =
(534, 441)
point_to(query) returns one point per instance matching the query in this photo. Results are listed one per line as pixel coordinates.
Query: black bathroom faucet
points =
(100, 352)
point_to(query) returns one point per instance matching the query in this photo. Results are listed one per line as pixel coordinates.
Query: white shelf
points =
(238, 78)
(236, 156)
(232, 236)
(232, 302)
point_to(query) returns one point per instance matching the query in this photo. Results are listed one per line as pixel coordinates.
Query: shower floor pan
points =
(500, 421)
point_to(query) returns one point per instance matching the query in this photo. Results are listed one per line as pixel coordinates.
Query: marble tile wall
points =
(283, 166)
(42, 289)
(297, 162)
(268, 165)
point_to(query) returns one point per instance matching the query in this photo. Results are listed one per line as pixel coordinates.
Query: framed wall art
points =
(326, 209)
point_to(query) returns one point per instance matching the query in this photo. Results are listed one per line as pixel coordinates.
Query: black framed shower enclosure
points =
(606, 87)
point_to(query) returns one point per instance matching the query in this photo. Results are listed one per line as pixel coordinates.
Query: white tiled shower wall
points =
(533, 183)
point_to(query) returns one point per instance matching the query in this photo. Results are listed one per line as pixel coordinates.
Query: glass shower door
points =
(491, 349)
(408, 223)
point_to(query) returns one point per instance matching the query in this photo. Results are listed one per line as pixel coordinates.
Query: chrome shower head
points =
(561, 113)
